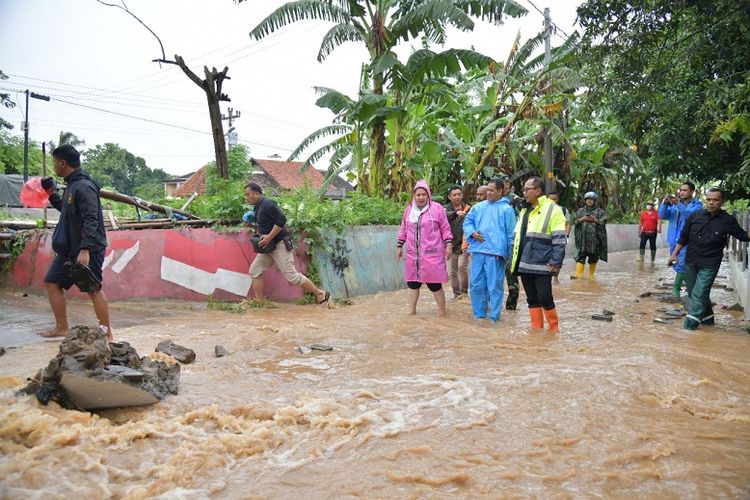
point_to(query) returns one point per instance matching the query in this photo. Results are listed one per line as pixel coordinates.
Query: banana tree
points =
(380, 26)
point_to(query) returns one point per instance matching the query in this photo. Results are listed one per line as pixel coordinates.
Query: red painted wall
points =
(184, 264)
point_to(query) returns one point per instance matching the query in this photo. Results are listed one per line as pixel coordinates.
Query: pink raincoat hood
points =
(421, 183)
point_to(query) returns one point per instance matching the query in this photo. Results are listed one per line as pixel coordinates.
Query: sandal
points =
(326, 298)
(82, 277)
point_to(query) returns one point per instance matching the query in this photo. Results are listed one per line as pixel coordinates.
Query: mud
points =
(405, 406)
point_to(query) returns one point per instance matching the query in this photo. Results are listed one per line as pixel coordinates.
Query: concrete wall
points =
(184, 264)
(190, 264)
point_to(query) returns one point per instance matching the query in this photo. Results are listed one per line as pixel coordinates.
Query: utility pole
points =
(549, 182)
(26, 132)
(231, 134)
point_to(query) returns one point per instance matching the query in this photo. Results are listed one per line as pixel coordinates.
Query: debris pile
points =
(90, 373)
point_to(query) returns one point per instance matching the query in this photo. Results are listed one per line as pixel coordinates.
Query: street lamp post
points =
(26, 132)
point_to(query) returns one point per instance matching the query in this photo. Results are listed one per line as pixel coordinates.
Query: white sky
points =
(91, 55)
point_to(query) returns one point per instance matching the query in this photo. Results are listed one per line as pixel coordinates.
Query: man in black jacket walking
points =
(78, 238)
(274, 246)
(705, 234)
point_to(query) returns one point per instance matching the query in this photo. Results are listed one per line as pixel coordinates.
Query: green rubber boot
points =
(642, 254)
(653, 255)
(677, 284)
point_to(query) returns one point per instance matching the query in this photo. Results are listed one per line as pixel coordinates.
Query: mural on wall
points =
(161, 263)
(121, 252)
(204, 268)
(339, 260)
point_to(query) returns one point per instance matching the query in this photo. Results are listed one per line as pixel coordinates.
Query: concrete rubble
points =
(90, 373)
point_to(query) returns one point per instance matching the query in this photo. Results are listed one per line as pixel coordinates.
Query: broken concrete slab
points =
(644, 295)
(607, 312)
(321, 347)
(735, 307)
(178, 352)
(220, 352)
(601, 317)
(90, 393)
(89, 373)
(303, 349)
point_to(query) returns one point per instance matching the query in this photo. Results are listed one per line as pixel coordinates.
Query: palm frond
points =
(300, 10)
(493, 11)
(334, 100)
(519, 64)
(321, 133)
(320, 153)
(338, 35)
(429, 17)
(425, 62)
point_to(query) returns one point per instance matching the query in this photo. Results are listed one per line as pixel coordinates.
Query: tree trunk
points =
(213, 94)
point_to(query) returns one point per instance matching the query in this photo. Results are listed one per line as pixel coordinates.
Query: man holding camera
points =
(274, 246)
(677, 211)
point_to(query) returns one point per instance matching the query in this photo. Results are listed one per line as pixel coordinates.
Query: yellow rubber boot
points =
(592, 270)
(579, 272)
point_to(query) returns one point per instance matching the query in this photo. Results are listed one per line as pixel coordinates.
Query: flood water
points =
(403, 406)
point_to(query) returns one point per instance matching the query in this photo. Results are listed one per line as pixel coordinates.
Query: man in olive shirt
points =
(705, 234)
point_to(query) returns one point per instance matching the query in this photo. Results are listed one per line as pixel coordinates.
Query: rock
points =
(178, 352)
(125, 372)
(677, 313)
(729, 288)
(606, 312)
(664, 321)
(735, 307)
(220, 351)
(303, 349)
(668, 298)
(321, 347)
(601, 317)
(645, 294)
(123, 354)
(88, 373)
(2, 351)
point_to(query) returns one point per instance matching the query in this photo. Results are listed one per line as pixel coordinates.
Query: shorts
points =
(56, 273)
(416, 285)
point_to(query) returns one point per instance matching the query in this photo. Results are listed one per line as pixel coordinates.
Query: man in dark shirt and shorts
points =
(705, 234)
(79, 238)
(275, 246)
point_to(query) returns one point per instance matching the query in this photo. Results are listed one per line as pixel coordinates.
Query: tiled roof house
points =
(277, 175)
(274, 175)
(196, 183)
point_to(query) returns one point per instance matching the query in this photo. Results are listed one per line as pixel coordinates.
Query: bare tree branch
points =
(125, 8)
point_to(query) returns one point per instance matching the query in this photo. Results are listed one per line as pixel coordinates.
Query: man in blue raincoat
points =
(677, 212)
(489, 227)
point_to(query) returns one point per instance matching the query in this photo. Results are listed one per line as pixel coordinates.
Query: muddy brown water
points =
(403, 406)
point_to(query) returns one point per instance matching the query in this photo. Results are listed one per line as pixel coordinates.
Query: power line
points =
(132, 117)
(551, 22)
(100, 90)
(133, 102)
(194, 59)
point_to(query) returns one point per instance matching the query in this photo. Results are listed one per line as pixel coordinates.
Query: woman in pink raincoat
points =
(425, 242)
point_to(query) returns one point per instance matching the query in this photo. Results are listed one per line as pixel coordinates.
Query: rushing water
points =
(404, 406)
